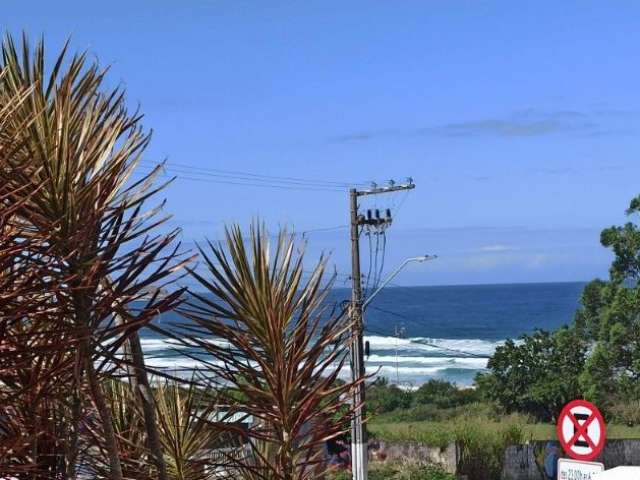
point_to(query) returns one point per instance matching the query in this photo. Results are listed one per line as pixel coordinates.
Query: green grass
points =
(481, 431)
(440, 426)
(483, 440)
(399, 471)
(439, 433)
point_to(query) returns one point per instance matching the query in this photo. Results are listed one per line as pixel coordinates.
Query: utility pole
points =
(359, 442)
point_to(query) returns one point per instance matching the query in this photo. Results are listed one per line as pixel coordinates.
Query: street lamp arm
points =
(421, 259)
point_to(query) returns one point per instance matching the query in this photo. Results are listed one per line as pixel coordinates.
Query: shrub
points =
(383, 397)
(483, 448)
(627, 413)
(444, 394)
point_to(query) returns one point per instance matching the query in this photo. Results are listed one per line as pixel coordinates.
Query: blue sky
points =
(518, 121)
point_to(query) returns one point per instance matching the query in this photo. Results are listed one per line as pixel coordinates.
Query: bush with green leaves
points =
(385, 397)
(443, 394)
(537, 375)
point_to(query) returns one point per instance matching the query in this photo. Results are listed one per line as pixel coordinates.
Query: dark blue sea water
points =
(448, 332)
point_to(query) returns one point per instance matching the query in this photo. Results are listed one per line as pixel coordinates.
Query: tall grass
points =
(482, 442)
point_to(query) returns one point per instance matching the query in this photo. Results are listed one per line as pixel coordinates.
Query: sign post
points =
(582, 432)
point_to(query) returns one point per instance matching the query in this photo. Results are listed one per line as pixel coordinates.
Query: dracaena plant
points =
(74, 148)
(264, 336)
(128, 423)
(34, 352)
(187, 427)
(31, 356)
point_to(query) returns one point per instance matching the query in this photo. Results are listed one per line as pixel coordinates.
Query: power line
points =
(425, 342)
(382, 254)
(322, 229)
(430, 344)
(249, 184)
(255, 177)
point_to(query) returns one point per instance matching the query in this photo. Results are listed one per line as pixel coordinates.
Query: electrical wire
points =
(321, 229)
(384, 249)
(366, 287)
(424, 342)
(375, 262)
(402, 200)
(255, 177)
(248, 184)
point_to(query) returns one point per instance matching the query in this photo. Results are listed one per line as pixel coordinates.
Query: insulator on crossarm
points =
(377, 214)
(369, 214)
(388, 214)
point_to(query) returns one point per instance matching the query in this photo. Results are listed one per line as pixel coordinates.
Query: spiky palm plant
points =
(187, 429)
(29, 357)
(33, 351)
(128, 423)
(76, 150)
(186, 426)
(267, 342)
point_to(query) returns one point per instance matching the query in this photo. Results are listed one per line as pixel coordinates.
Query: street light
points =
(421, 259)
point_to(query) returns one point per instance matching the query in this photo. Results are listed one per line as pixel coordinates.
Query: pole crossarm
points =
(389, 189)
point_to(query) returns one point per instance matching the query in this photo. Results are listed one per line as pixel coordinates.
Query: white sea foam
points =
(445, 362)
(444, 345)
(173, 362)
(152, 344)
(418, 359)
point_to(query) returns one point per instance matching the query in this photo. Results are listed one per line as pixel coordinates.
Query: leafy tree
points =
(69, 150)
(610, 318)
(384, 397)
(537, 374)
(601, 349)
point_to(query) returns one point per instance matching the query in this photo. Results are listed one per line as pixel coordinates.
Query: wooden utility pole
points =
(359, 442)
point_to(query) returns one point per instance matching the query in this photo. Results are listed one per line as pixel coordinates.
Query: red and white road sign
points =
(581, 430)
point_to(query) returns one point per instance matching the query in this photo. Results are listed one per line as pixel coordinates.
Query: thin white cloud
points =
(530, 122)
(497, 248)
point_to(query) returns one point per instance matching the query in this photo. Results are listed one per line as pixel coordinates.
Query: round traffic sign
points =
(581, 430)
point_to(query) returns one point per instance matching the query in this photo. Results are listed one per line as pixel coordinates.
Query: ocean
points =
(420, 333)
